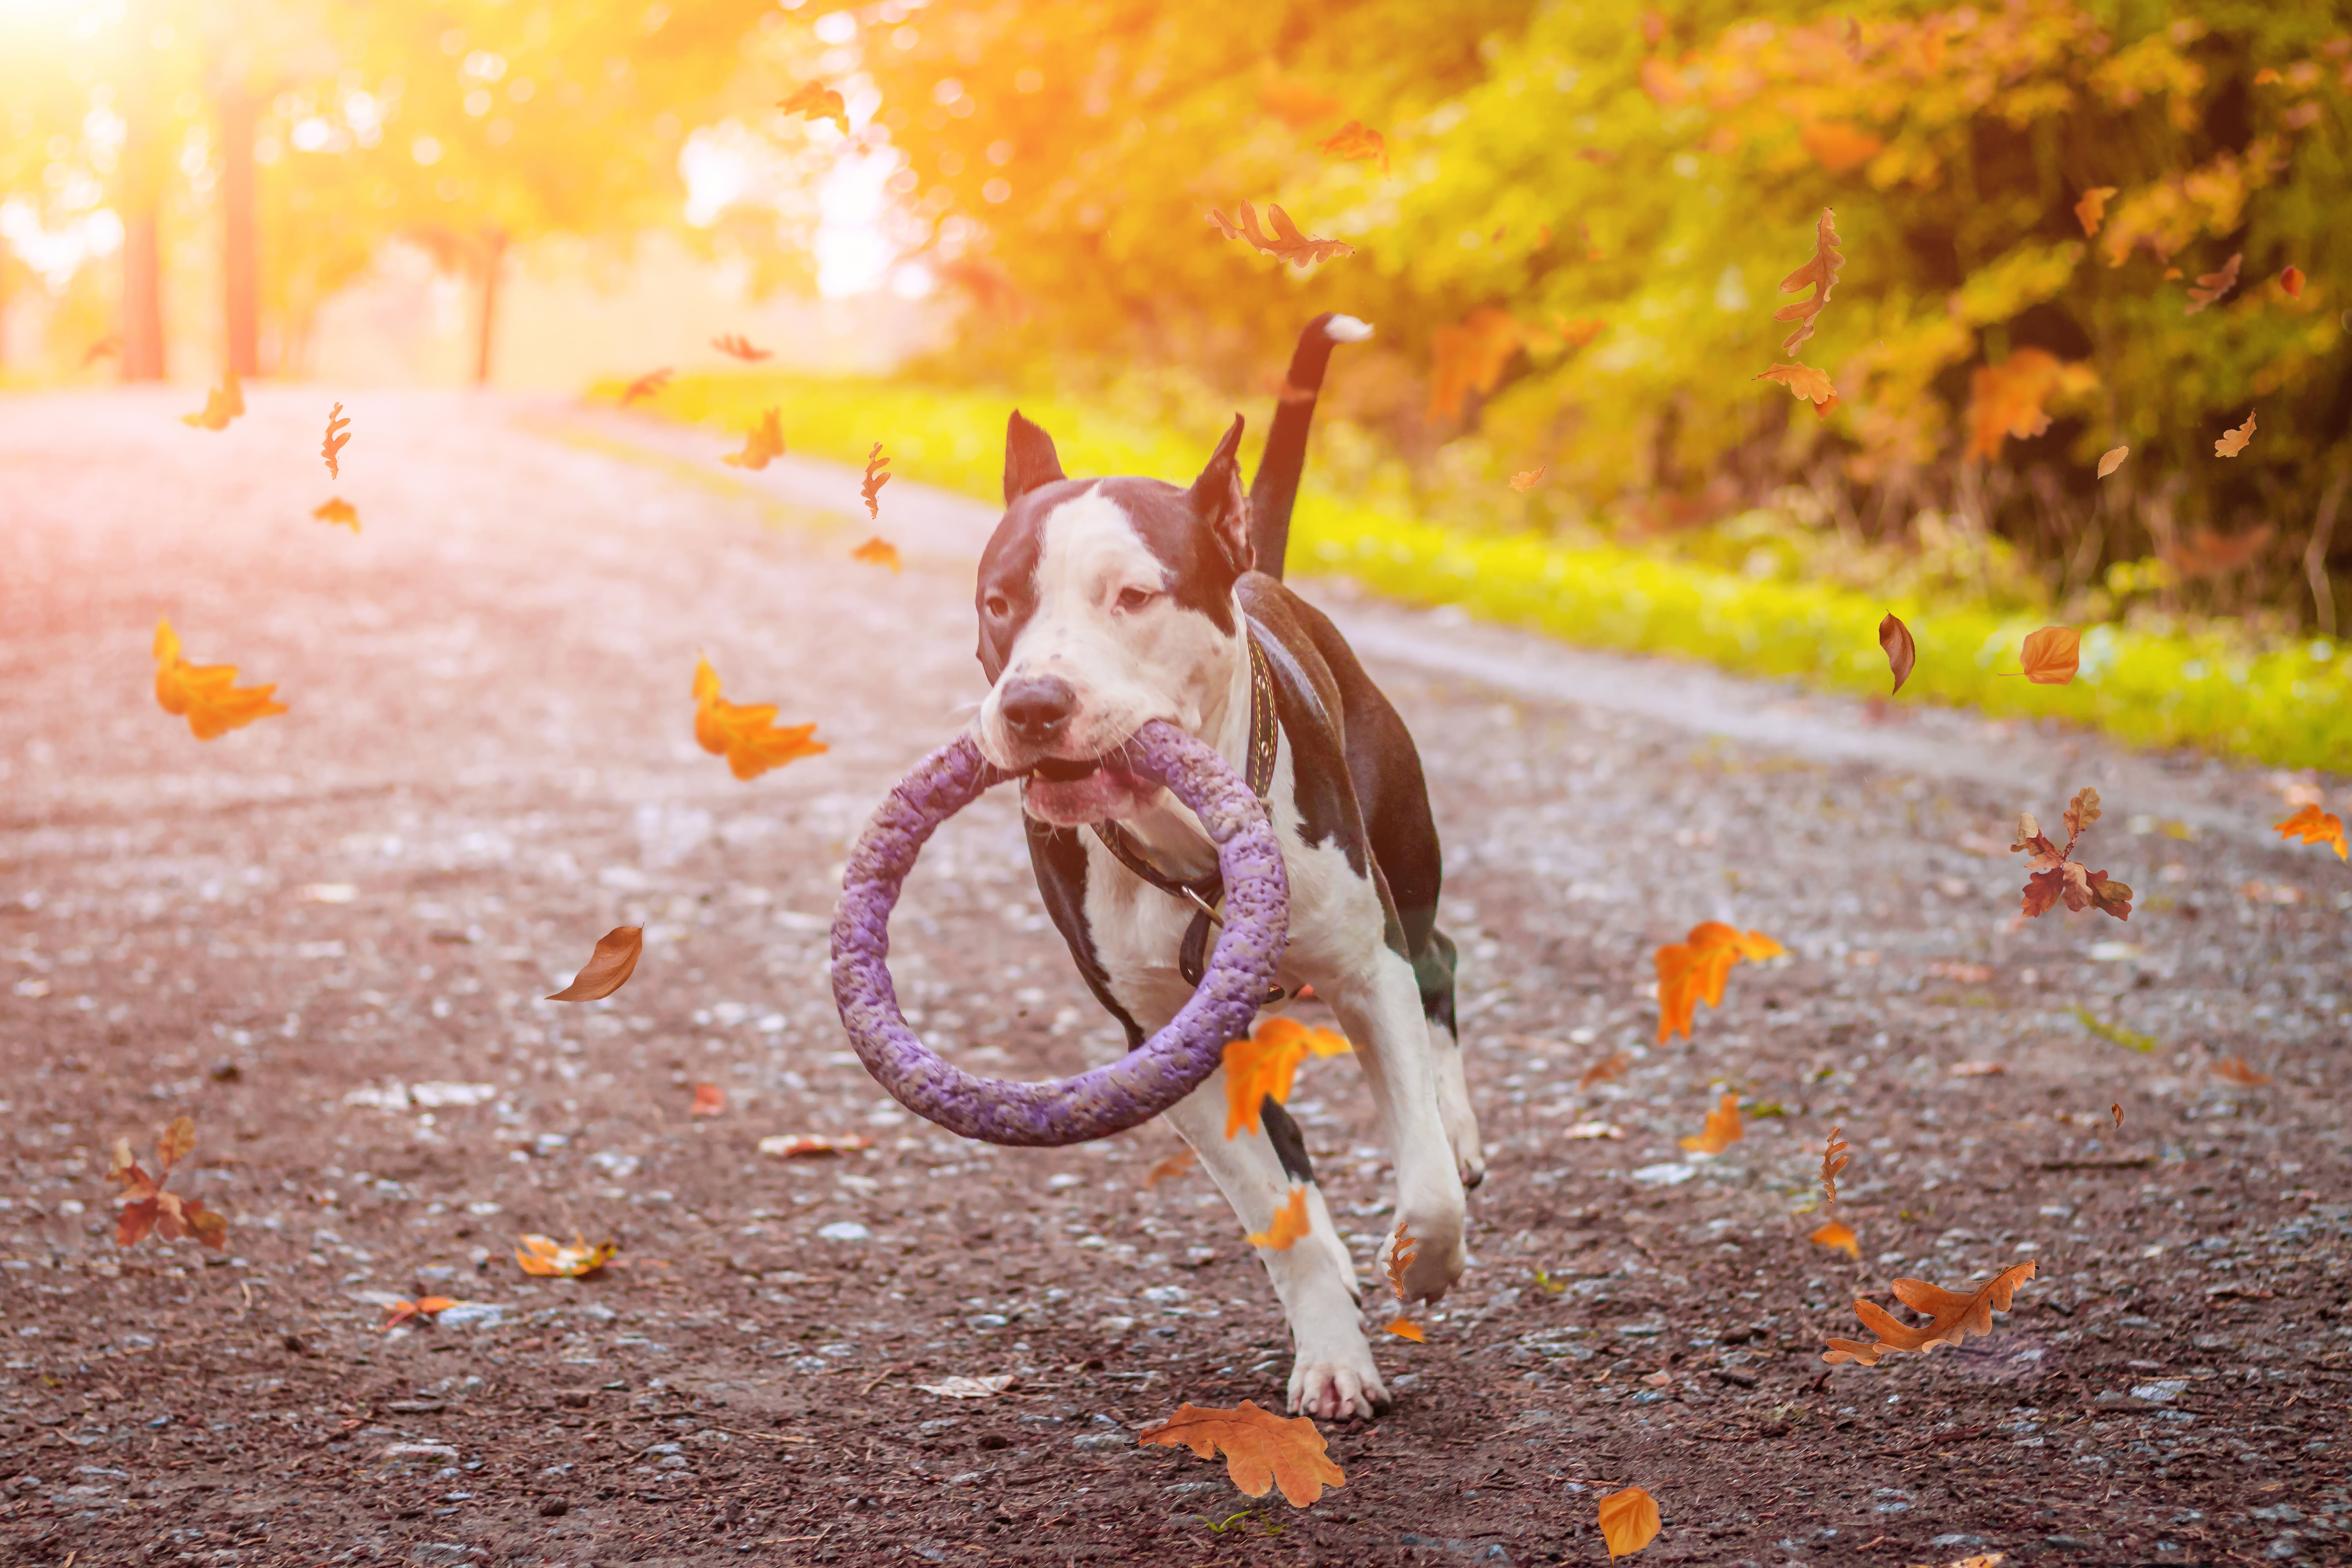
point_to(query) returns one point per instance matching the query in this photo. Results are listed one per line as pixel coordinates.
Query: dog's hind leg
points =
(1332, 1376)
(1433, 973)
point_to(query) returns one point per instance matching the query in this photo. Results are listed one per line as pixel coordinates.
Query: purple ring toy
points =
(1105, 1099)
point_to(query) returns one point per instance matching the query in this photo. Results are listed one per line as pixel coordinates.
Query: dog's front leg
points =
(1332, 1375)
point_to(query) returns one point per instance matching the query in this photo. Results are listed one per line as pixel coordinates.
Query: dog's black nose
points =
(1038, 707)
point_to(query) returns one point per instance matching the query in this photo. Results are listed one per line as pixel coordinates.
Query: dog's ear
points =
(1221, 503)
(1030, 459)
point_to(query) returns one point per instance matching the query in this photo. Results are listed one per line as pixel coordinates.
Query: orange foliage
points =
(1356, 143)
(336, 509)
(1837, 1236)
(2050, 657)
(423, 1307)
(1695, 969)
(879, 552)
(2211, 286)
(709, 1099)
(763, 444)
(1951, 1317)
(746, 734)
(646, 385)
(608, 968)
(2092, 210)
(1835, 1160)
(1723, 1128)
(1262, 1450)
(1902, 653)
(1285, 244)
(1802, 381)
(2007, 399)
(876, 476)
(222, 404)
(1470, 358)
(1629, 1521)
(2315, 827)
(2112, 459)
(1819, 274)
(544, 1256)
(1839, 147)
(206, 695)
(337, 440)
(2291, 280)
(1264, 1064)
(1529, 480)
(146, 1206)
(1290, 1222)
(2233, 442)
(818, 101)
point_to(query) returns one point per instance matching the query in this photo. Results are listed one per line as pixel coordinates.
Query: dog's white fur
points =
(1159, 661)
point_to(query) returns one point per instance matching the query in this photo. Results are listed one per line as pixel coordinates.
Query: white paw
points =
(1345, 1388)
(1454, 1111)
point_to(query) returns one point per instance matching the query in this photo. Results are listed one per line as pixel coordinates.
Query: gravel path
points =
(324, 936)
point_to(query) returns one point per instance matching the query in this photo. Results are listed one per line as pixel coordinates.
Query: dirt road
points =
(324, 938)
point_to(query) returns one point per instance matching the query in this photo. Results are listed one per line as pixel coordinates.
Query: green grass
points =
(2289, 705)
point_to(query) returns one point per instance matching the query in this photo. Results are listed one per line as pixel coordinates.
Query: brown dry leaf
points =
(812, 1146)
(1266, 1063)
(2236, 1070)
(1802, 381)
(543, 1254)
(608, 968)
(1170, 1168)
(646, 385)
(709, 1099)
(1529, 480)
(333, 447)
(1819, 274)
(2117, 1112)
(1470, 358)
(2291, 280)
(206, 695)
(1902, 653)
(818, 101)
(336, 509)
(1285, 244)
(878, 474)
(2056, 877)
(1951, 1317)
(1404, 1328)
(2233, 442)
(146, 1206)
(2211, 286)
(2052, 655)
(763, 444)
(878, 550)
(2313, 825)
(1629, 1521)
(423, 1307)
(1603, 1072)
(746, 734)
(1262, 1450)
(1357, 143)
(1723, 1128)
(2092, 210)
(1835, 1160)
(1290, 1224)
(222, 404)
(2112, 459)
(1838, 1235)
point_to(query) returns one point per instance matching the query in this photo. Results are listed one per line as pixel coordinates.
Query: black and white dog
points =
(1108, 603)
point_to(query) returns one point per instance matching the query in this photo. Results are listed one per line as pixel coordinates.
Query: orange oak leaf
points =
(222, 404)
(1819, 274)
(2091, 210)
(1285, 244)
(763, 444)
(147, 1207)
(2211, 286)
(1629, 1521)
(1951, 1317)
(1401, 1249)
(1527, 479)
(2291, 280)
(336, 509)
(1837, 1236)
(2112, 459)
(1835, 1160)
(1264, 1066)
(545, 1256)
(2233, 442)
(2051, 655)
(2314, 826)
(337, 440)
(746, 734)
(1723, 1128)
(424, 1306)
(812, 1146)
(1695, 969)
(818, 101)
(1603, 1072)
(2057, 878)
(608, 967)
(1170, 1168)
(206, 695)
(1902, 653)
(879, 552)
(649, 384)
(878, 474)
(1262, 1450)
(1404, 1328)
(709, 1099)
(1356, 143)
(1290, 1222)
(1470, 358)
(2235, 1070)
(1802, 381)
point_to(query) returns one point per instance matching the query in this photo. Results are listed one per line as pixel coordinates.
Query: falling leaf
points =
(646, 385)
(544, 1255)
(2052, 655)
(2092, 210)
(206, 695)
(106, 347)
(1170, 1168)
(2056, 876)
(2117, 1112)
(1470, 358)
(737, 346)
(1819, 274)
(2235, 1070)
(2112, 459)
(1695, 969)
(1902, 653)
(1951, 1317)
(1835, 1160)
(2292, 281)
(423, 1307)
(876, 474)
(336, 509)
(878, 550)
(1290, 1222)
(1355, 142)
(331, 448)
(1401, 1250)
(222, 404)
(1835, 1234)
(146, 1206)
(1262, 1450)
(2315, 827)
(2208, 554)
(2211, 286)
(1629, 1521)
(1406, 1328)
(818, 101)
(762, 443)
(1802, 381)
(2009, 400)
(1286, 244)
(1264, 1065)
(812, 1146)
(961, 1386)
(1529, 480)
(709, 1099)
(746, 734)
(608, 968)
(1603, 1072)
(2233, 442)
(1723, 1129)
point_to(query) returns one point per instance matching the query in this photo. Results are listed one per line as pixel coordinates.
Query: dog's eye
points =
(1133, 599)
(998, 606)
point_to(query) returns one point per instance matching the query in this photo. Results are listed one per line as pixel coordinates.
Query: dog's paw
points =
(1439, 1253)
(1454, 1111)
(1345, 1387)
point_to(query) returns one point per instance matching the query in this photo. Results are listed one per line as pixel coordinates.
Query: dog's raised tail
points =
(1276, 487)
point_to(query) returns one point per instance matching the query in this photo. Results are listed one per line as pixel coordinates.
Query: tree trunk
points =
(142, 293)
(494, 253)
(240, 270)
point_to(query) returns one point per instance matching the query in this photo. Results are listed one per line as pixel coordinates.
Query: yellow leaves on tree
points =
(1629, 1521)
(1470, 358)
(2314, 826)
(222, 404)
(1723, 1129)
(2052, 655)
(545, 1256)
(746, 734)
(1837, 1236)
(877, 551)
(1819, 274)
(1285, 244)
(2055, 875)
(336, 510)
(608, 967)
(1355, 142)
(206, 695)
(2008, 399)
(1951, 1317)
(876, 474)
(737, 346)
(1262, 1450)
(1802, 381)
(818, 101)
(646, 385)
(2211, 286)
(1290, 1222)
(2091, 210)
(1695, 969)
(1902, 653)
(1262, 1067)
(1529, 480)
(424, 1306)
(146, 1206)
(337, 440)
(2233, 442)
(763, 444)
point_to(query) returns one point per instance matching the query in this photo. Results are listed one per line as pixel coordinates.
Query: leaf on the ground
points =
(1802, 381)
(746, 734)
(206, 695)
(336, 509)
(1404, 1328)
(1819, 274)
(1838, 1235)
(608, 967)
(763, 444)
(818, 101)
(338, 438)
(1289, 1224)
(2091, 210)
(2233, 442)
(1285, 244)
(1266, 1063)
(1835, 1160)
(1581, 1130)
(1356, 143)
(423, 1307)
(1470, 358)
(146, 1206)
(1262, 1450)
(1693, 970)
(1527, 479)
(1400, 1256)
(2211, 286)
(2112, 459)
(878, 474)
(709, 1099)
(646, 385)
(1723, 1128)
(2313, 825)
(543, 1254)
(812, 1146)
(1629, 1521)
(2291, 280)
(2237, 1071)
(2117, 1112)
(1951, 1317)
(221, 403)
(1902, 653)
(1170, 1168)
(2117, 1035)
(2051, 655)
(879, 552)
(1603, 1072)
(959, 1386)
(1975, 1070)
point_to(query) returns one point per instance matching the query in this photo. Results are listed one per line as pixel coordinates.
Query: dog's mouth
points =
(1065, 770)
(1070, 791)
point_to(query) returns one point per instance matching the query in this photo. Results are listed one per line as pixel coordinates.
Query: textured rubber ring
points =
(1105, 1099)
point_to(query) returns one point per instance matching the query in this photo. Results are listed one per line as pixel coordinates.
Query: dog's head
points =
(1103, 604)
